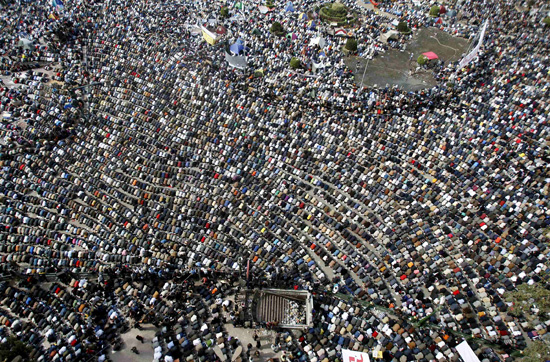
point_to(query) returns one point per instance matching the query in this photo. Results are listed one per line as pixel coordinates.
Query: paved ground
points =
(145, 349)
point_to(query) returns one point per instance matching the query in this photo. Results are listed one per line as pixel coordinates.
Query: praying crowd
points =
(135, 160)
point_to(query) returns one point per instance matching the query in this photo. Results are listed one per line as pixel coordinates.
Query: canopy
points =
(430, 55)
(289, 7)
(302, 16)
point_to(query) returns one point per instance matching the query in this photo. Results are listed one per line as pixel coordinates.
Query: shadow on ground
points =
(393, 67)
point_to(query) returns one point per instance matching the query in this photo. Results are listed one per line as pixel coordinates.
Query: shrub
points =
(434, 11)
(422, 59)
(351, 45)
(224, 12)
(295, 63)
(546, 21)
(403, 27)
(277, 28)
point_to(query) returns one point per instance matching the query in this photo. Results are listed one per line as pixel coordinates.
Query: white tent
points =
(392, 34)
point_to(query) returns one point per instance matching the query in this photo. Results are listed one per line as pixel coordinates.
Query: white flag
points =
(354, 356)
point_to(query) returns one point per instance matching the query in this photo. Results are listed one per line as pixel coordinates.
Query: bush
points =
(422, 59)
(295, 63)
(351, 45)
(403, 27)
(546, 21)
(277, 28)
(434, 11)
(224, 12)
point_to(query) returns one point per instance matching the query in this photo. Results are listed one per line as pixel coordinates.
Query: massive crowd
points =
(137, 153)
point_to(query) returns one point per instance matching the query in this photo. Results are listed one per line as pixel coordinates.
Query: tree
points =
(295, 63)
(403, 27)
(224, 12)
(434, 11)
(530, 301)
(536, 351)
(13, 348)
(546, 21)
(351, 45)
(422, 59)
(277, 28)
(269, 4)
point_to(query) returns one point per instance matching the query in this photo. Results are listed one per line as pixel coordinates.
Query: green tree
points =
(295, 63)
(536, 351)
(351, 45)
(530, 301)
(224, 12)
(403, 27)
(422, 59)
(269, 4)
(434, 11)
(277, 28)
(546, 21)
(13, 348)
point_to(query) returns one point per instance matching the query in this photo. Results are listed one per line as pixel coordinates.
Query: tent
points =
(263, 9)
(221, 30)
(438, 21)
(430, 55)
(239, 5)
(442, 9)
(237, 48)
(451, 13)
(292, 36)
(311, 25)
(392, 34)
(318, 41)
(302, 16)
(289, 7)
(25, 43)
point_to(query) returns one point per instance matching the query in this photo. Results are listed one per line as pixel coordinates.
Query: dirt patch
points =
(394, 67)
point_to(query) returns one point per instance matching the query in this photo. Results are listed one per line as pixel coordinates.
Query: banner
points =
(354, 356)
(470, 56)
(466, 352)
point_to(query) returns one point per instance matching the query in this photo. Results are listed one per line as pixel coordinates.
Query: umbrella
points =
(292, 36)
(289, 7)
(302, 16)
